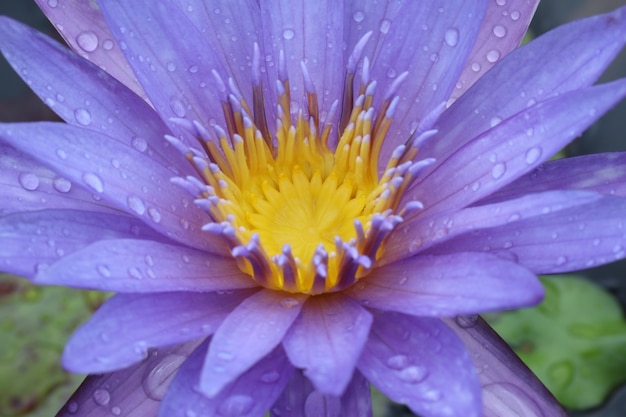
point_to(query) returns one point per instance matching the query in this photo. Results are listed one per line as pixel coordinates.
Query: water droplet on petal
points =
(94, 182)
(29, 181)
(136, 204)
(104, 271)
(139, 143)
(82, 116)
(288, 34)
(493, 56)
(398, 362)
(561, 260)
(384, 26)
(88, 41)
(108, 44)
(61, 185)
(101, 396)
(289, 302)
(154, 214)
(116, 411)
(177, 107)
(156, 382)
(171, 66)
(498, 170)
(358, 16)
(475, 67)
(515, 15)
(452, 37)
(235, 406)
(270, 377)
(72, 406)
(413, 374)
(500, 2)
(499, 31)
(533, 155)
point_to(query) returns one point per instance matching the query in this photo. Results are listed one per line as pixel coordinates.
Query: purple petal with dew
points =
(420, 362)
(299, 399)
(603, 173)
(249, 333)
(418, 233)
(31, 242)
(136, 391)
(311, 33)
(26, 185)
(429, 40)
(170, 58)
(501, 31)
(116, 173)
(509, 387)
(513, 147)
(568, 240)
(445, 285)
(129, 265)
(84, 95)
(570, 57)
(120, 333)
(250, 395)
(82, 26)
(326, 341)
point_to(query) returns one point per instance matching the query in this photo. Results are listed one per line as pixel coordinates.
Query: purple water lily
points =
(293, 201)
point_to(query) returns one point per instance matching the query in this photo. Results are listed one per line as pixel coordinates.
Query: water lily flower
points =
(294, 200)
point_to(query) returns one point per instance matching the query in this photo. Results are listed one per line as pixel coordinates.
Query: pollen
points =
(304, 208)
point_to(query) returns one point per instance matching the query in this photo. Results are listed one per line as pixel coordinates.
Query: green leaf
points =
(575, 341)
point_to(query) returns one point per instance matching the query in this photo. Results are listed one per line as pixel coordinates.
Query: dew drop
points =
(104, 270)
(171, 66)
(413, 374)
(288, 34)
(136, 204)
(499, 31)
(82, 116)
(500, 2)
(466, 321)
(515, 15)
(193, 69)
(358, 16)
(493, 56)
(88, 41)
(107, 44)
(384, 26)
(116, 411)
(452, 37)
(432, 395)
(101, 396)
(61, 185)
(289, 302)
(561, 260)
(154, 214)
(53, 3)
(139, 143)
(29, 181)
(156, 382)
(475, 67)
(72, 406)
(235, 406)
(533, 155)
(177, 107)
(94, 182)
(498, 170)
(398, 362)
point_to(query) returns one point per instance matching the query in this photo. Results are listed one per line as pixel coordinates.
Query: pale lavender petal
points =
(26, 185)
(449, 284)
(120, 333)
(251, 395)
(326, 341)
(84, 95)
(130, 265)
(299, 399)
(509, 387)
(175, 70)
(604, 173)
(31, 242)
(570, 57)
(82, 26)
(501, 31)
(420, 362)
(513, 147)
(582, 237)
(249, 333)
(418, 233)
(116, 173)
(132, 392)
(309, 32)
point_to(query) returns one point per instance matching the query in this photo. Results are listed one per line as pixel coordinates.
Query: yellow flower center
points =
(298, 216)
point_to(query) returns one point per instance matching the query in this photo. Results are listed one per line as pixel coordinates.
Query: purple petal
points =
(509, 387)
(326, 341)
(132, 392)
(31, 242)
(309, 32)
(84, 95)
(447, 285)
(26, 185)
(130, 265)
(249, 333)
(604, 173)
(122, 333)
(501, 31)
(513, 147)
(300, 399)
(119, 174)
(570, 57)
(568, 240)
(251, 395)
(419, 233)
(82, 26)
(420, 362)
